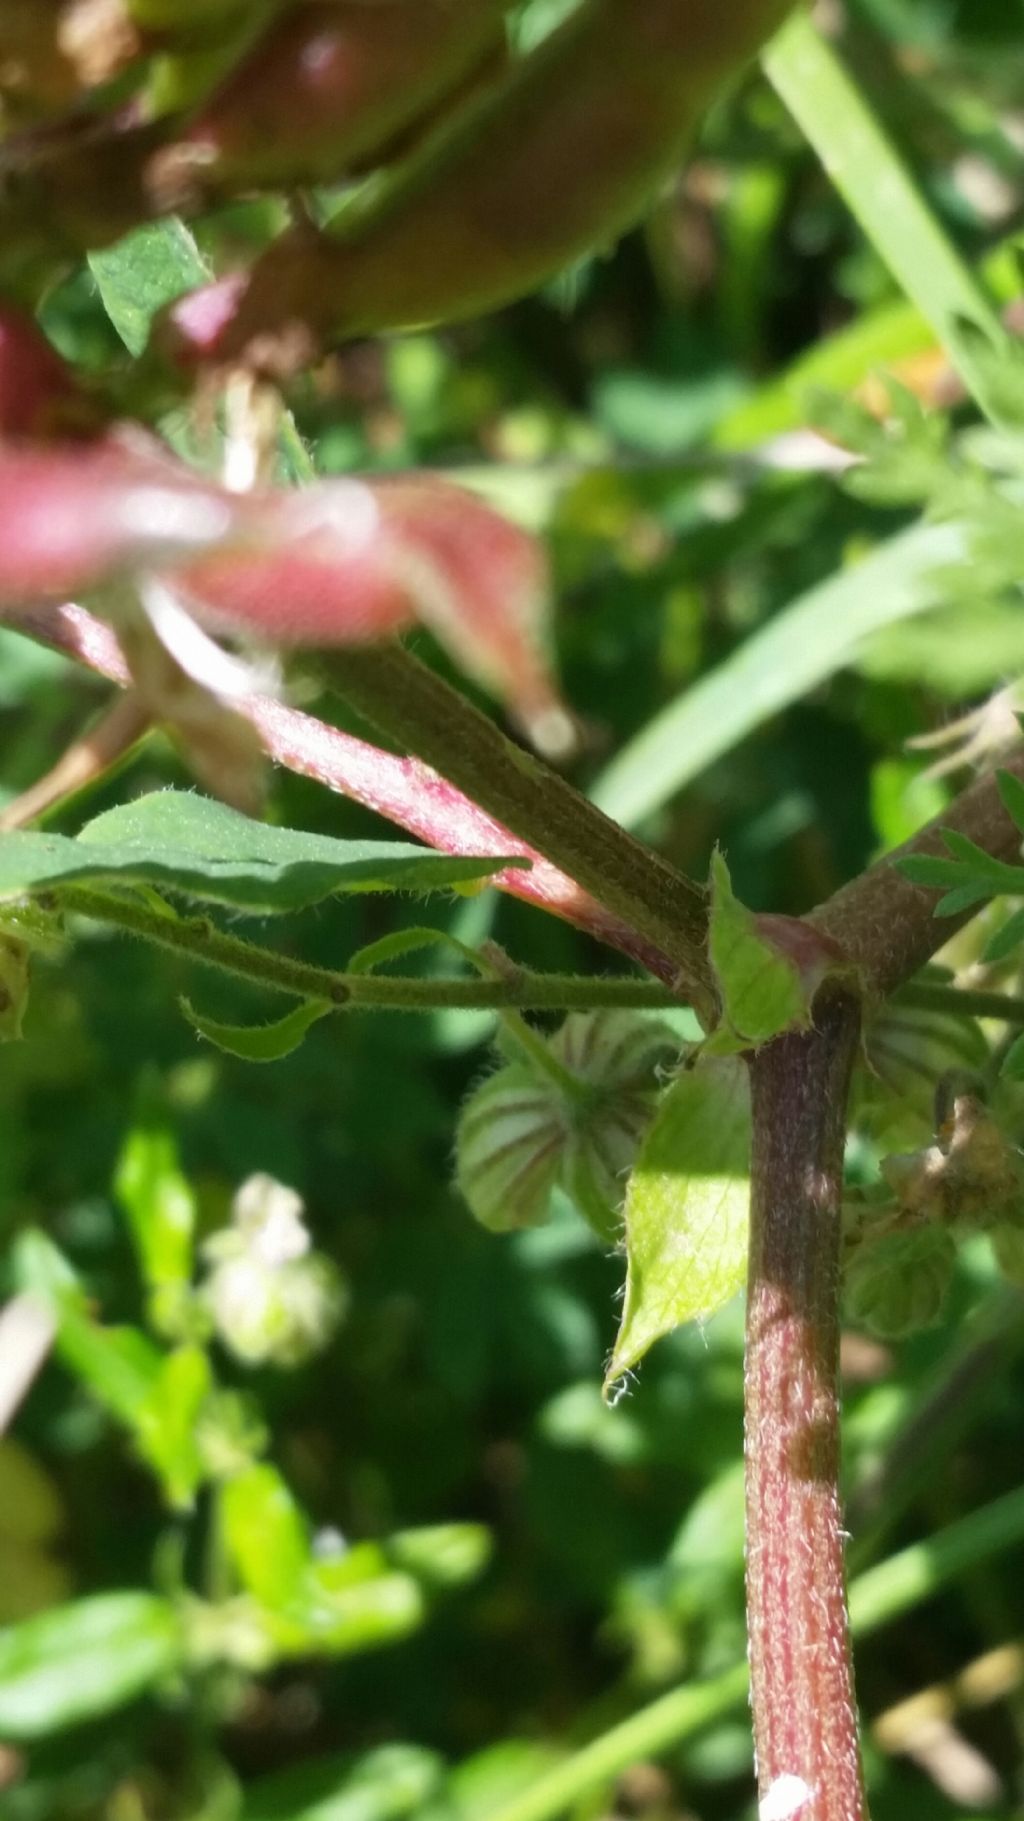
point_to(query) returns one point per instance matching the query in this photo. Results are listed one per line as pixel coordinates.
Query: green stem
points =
(199, 940)
(965, 1001)
(882, 1594)
(406, 702)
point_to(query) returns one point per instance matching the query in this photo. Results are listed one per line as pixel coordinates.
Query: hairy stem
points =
(199, 940)
(406, 702)
(801, 1676)
(885, 925)
(805, 1721)
(404, 790)
(877, 1597)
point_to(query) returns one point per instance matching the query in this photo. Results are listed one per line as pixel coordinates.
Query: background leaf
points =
(85, 1659)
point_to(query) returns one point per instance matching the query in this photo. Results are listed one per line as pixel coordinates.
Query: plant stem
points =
(805, 1721)
(406, 702)
(966, 1001)
(876, 1598)
(802, 1684)
(402, 789)
(199, 939)
(885, 925)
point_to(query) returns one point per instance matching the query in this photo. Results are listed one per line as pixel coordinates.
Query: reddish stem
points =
(805, 1719)
(404, 790)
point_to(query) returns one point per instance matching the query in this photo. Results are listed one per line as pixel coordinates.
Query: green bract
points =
(686, 1208)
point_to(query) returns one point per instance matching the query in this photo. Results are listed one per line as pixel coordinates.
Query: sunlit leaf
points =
(266, 1536)
(686, 1209)
(82, 1660)
(159, 1203)
(204, 850)
(385, 1785)
(146, 270)
(761, 989)
(812, 638)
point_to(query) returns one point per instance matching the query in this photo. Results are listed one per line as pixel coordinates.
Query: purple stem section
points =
(805, 1720)
(404, 790)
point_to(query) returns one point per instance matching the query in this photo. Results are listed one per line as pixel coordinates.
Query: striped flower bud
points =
(509, 1143)
(576, 1126)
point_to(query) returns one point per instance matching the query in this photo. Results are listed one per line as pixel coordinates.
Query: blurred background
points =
(632, 415)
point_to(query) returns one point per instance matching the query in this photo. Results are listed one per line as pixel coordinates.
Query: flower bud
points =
(511, 1134)
(579, 1126)
(898, 1284)
(272, 1300)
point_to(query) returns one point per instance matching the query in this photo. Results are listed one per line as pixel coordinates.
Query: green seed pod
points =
(511, 1134)
(613, 1049)
(1008, 1247)
(898, 1284)
(617, 1055)
(598, 1159)
(579, 1126)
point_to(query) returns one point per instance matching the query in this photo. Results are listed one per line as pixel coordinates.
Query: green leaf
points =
(1006, 939)
(1013, 1061)
(403, 942)
(1011, 791)
(441, 1555)
(835, 113)
(146, 270)
(203, 849)
(156, 1396)
(159, 1203)
(259, 1042)
(761, 990)
(85, 1659)
(118, 1365)
(686, 1209)
(344, 1603)
(384, 1785)
(266, 1536)
(166, 1424)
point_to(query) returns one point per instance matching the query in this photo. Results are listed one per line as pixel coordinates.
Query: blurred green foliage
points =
(427, 1560)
